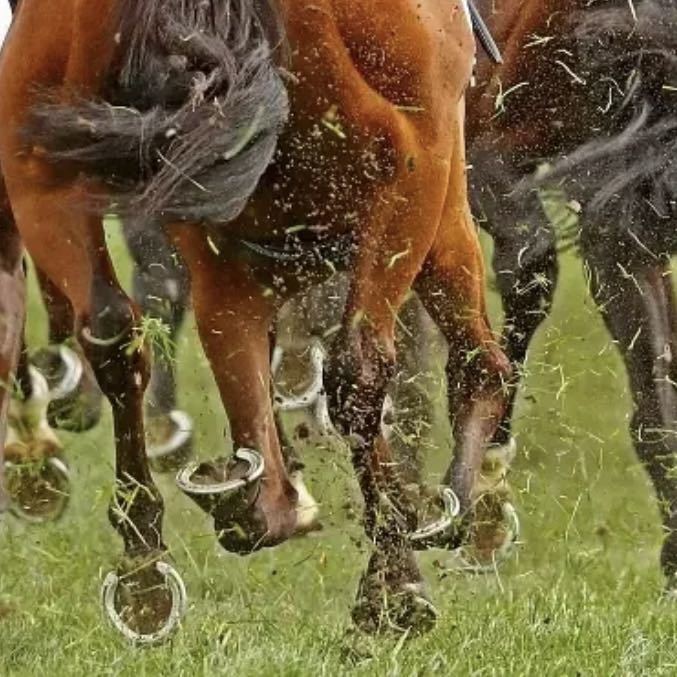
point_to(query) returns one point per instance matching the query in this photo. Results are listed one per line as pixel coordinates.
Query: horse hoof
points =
(75, 399)
(487, 551)
(292, 402)
(442, 531)
(229, 498)
(385, 611)
(196, 480)
(170, 441)
(39, 492)
(146, 606)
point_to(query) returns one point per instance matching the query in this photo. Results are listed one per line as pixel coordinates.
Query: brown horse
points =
(177, 114)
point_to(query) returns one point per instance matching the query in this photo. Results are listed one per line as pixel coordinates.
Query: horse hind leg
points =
(37, 480)
(75, 398)
(12, 311)
(161, 288)
(477, 372)
(526, 270)
(391, 595)
(250, 495)
(637, 302)
(144, 598)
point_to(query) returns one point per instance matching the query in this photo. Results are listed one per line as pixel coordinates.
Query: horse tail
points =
(632, 165)
(192, 119)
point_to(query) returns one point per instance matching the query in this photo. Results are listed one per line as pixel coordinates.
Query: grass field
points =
(581, 597)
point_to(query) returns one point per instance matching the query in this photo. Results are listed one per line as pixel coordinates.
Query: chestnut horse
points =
(593, 82)
(177, 115)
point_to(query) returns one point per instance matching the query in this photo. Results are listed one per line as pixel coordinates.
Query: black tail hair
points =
(633, 163)
(193, 117)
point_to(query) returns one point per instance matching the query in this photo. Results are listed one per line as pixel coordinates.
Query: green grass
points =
(581, 597)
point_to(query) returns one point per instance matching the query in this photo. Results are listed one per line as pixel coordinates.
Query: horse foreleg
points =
(637, 302)
(161, 288)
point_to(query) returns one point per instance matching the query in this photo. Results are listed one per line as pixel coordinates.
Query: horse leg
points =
(637, 302)
(12, 312)
(524, 262)
(161, 288)
(410, 422)
(37, 480)
(145, 598)
(250, 497)
(75, 398)
(526, 270)
(451, 286)
(394, 245)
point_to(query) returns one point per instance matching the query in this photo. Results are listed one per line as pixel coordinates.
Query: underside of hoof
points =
(227, 490)
(38, 491)
(442, 530)
(391, 598)
(37, 479)
(304, 394)
(245, 519)
(75, 399)
(145, 602)
(169, 441)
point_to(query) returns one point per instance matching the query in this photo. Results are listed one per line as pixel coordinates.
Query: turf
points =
(582, 595)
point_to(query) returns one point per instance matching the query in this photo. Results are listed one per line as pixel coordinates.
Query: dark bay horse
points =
(593, 83)
(177, 115)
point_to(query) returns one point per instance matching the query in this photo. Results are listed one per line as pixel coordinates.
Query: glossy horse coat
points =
(179, 114)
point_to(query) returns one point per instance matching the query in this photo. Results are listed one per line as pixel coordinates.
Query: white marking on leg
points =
(307, 509)
(28, 422)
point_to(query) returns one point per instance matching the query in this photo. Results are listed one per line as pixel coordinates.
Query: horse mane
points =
(192, 111)
(634, 164)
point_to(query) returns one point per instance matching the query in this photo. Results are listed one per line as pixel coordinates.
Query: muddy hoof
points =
(495, 532)
(383, 609)
(38, 491)
(227, 492)
(75, 399)
(391, 597)
(169, 441)
(445, 530)
(146, 604)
